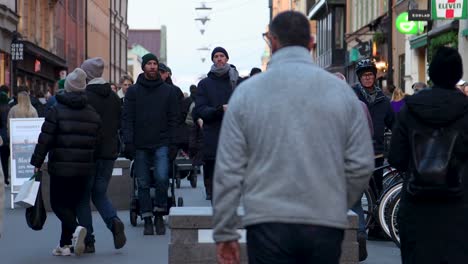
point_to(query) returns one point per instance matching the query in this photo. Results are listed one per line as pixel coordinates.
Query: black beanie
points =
(446, 67)
(146, 58)
(219, 49)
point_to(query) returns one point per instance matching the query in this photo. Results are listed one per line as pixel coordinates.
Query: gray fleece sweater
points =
(294, 145)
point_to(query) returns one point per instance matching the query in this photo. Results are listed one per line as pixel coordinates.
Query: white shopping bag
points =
(28, 193)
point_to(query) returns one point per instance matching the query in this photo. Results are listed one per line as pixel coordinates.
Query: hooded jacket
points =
(150, 114)
(107, 105)
(70, 134)
(432, 108)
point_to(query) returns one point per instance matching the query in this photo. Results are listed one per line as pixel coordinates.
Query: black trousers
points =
(65, 195)
(208, 171)
(276, 243)
(4, 157)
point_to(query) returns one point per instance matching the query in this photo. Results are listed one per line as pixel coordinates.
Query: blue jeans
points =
(144, 160)
(357, 208)
(97, 191)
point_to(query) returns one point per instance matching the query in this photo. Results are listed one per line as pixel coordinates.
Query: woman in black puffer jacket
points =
(69, 134)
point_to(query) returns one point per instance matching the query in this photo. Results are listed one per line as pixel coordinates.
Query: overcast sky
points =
(236, 25)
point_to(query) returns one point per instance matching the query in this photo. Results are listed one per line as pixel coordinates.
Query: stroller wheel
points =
(178, 182)
(193, 179)
(180, 202)
(133, 218)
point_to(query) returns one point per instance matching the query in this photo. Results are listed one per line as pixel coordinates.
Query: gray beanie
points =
(93, 68)
(76, 81)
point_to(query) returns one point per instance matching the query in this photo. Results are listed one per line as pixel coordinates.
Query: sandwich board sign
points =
(24, 133)
(449, 9)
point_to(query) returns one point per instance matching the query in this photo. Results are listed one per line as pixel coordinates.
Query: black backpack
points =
(437, 173)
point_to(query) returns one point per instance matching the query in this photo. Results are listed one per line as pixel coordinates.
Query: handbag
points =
(27, 194)
(36, 215)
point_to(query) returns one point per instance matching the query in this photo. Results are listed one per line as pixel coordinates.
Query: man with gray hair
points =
(297, 179)
(418, 86)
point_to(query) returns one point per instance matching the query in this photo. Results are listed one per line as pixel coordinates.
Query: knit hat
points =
(461, 82)
(219, 49)
(93, 68)
(76, 81)
(163, 67)
(446, 67)
(146, 58)
(61, 84)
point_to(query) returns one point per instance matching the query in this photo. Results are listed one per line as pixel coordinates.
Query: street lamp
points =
(204, 52)
(202, 24)
(203, 13)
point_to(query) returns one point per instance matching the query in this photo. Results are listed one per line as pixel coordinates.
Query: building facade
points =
(8, 22)
(118, 39)
(40, 67)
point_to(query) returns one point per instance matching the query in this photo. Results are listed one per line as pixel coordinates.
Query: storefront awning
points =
(40, 53)
(418, 41)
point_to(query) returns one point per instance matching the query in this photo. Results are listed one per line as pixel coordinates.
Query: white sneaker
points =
(62, 251)
(78, 240)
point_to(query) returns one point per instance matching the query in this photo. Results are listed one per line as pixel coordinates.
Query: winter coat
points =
(4, 109)
(107, 105)
(432, 231)
(213, 92)
(150, 114)
(70, 134)
(382, 117)
(182, 131)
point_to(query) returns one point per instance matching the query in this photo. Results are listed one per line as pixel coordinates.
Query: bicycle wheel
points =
(368, 204)
(394, 232)
(383, 212)
(390, 177)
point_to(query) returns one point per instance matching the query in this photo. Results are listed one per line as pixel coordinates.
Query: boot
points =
(361, 237)
(159, 224)
(118, 233)
(148, 231)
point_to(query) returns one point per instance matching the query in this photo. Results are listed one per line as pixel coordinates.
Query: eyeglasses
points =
(266, 37)
(367, 75)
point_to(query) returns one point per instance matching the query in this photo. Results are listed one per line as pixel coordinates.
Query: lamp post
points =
(203, 13)
(390, 44)
(204, 51)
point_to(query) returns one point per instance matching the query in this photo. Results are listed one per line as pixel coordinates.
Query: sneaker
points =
(89, 248)
(160, 226)
(362, 246)
(148, 230)
(118, 233)
(78, 240)
(62, 251)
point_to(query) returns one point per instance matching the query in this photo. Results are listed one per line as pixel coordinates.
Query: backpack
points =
(437, 172)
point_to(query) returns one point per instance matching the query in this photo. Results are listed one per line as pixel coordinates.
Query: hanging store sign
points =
(419, 15)
(449, 9)
(17, 51)
(404, 26)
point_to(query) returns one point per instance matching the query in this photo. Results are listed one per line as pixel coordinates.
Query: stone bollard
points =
(119, 191)
(191, 237)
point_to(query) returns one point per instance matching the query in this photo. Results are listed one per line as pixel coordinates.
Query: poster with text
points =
(24, 133)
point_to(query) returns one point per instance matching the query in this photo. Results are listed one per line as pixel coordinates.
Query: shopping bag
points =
(36, 215)
(28, 193)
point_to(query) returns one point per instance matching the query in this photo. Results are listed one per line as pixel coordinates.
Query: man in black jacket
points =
(69, 135)
(107, 104)
(149, 118)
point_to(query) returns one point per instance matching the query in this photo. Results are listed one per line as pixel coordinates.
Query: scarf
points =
(369, 95)
(233, 74)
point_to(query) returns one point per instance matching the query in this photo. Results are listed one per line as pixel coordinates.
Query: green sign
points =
(404, 26)
(449, 9)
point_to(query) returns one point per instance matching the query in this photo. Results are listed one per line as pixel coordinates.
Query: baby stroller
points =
(134, 204)
(183, 168)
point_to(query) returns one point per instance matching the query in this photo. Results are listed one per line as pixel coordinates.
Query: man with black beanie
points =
(211, 100)
(439, 109)
(150, 115)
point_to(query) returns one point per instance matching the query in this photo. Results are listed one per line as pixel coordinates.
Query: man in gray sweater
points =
(298, 161)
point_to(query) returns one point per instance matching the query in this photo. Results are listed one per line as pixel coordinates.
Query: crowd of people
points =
(298, 162)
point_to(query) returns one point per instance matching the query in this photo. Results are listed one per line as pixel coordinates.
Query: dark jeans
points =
(208, 171)
(96, 190)
(65, 195)
(275, 243)
(144, 160)
(4, 157)
(357, 208)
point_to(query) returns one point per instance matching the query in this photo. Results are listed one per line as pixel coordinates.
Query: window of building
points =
(72, 8)
(339, 27)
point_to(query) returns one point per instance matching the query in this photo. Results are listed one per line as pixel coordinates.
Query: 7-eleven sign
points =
(449, 9)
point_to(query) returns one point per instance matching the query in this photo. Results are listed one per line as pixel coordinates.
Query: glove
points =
(129, 152)
(173, 152)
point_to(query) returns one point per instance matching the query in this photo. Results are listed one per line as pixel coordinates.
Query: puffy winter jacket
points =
(70, 135)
